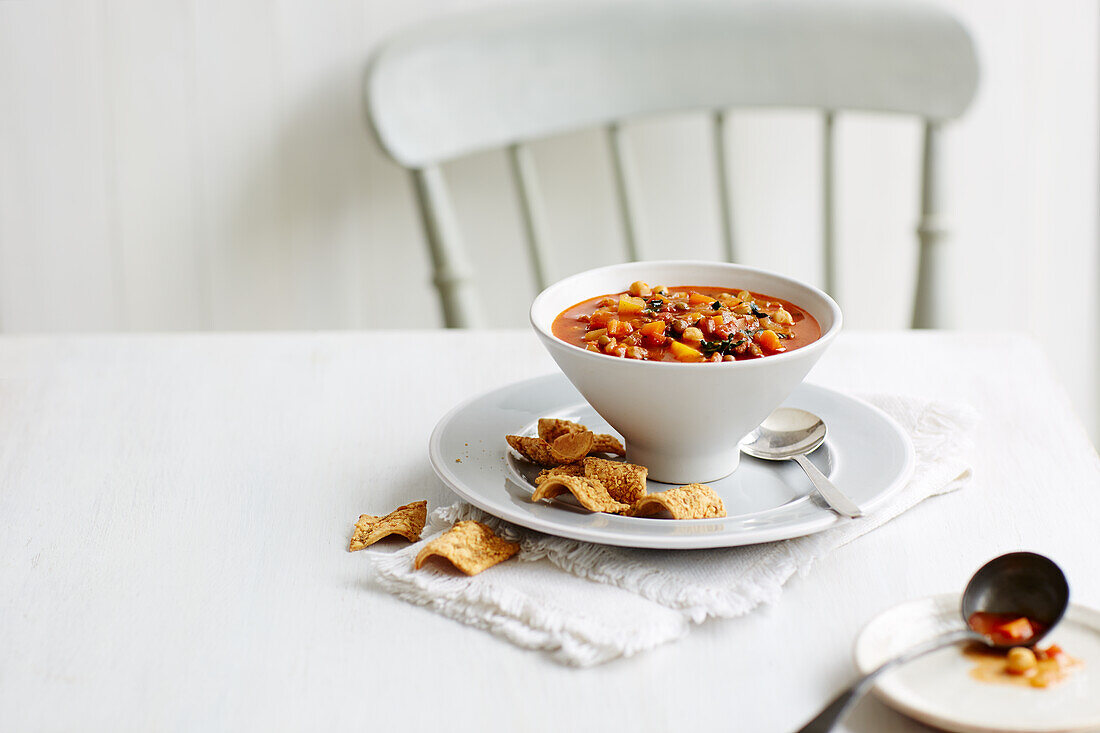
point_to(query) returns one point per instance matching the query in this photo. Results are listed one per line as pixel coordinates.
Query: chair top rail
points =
(483, 81)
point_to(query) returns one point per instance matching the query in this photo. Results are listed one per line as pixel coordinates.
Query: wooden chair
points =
(499, 79)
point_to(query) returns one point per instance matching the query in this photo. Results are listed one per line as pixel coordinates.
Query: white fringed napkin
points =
(587, 604)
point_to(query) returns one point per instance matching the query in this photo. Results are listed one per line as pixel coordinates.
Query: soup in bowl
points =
(684, 358)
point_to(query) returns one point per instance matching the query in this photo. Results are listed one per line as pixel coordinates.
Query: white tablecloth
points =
(175, 511)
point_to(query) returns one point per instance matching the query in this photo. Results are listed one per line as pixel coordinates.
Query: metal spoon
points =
(1020, 583)
(791, 434)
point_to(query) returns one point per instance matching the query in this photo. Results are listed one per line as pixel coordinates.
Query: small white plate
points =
(866, 453)
(937, 689)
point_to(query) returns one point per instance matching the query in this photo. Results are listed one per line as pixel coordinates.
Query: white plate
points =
(866, 454)
(937, 689)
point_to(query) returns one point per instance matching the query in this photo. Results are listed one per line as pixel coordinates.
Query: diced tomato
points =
(1051, 652)
(1017, 629)
(615, 327)
(600, 318)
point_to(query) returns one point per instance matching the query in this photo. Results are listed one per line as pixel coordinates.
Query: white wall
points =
(197, 164)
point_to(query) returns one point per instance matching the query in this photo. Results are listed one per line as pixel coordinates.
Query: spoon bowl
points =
(1022, 584)
(789, 434)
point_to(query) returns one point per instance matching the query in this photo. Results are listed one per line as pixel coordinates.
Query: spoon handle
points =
(836, 710)
(832, 495)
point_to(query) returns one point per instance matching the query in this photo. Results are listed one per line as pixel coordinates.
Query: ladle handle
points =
(830, 493)
(836, 710)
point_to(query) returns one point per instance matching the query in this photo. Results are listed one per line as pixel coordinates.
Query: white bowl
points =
(683, 421)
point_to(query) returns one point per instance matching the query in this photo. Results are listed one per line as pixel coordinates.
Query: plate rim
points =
(1074, 612)
(445, 473)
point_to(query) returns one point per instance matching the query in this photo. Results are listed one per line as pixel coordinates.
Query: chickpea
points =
(727, 357)
(1021, 660)
(640, 289)
(693, 334)
(660, 290)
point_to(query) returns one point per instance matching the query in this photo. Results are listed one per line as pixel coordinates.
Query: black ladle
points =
(1020, 583)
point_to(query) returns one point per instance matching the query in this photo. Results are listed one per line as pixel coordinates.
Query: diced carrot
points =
(683, 352)
(770, 341)
(694, 298)
(718, 319)
(615, 327)
(629, 306)
(653, 328)
(1017, 629)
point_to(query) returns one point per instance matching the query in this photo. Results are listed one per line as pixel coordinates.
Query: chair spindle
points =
(450, 271)
(534, 218)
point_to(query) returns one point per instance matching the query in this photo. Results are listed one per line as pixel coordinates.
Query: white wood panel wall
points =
(202, 164)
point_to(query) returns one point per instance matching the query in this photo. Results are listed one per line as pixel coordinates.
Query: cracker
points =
(469, 546)
(551, 428)
(694, 501)
(567, 469)
(591, 494)
(407, 521)
(572, 446)
(625, 482)
(604, 443)
(535, 450)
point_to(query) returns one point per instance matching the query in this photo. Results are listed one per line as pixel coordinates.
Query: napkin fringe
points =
(574, 640)
(595, 563)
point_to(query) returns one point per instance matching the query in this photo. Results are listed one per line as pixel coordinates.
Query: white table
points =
(175, 512)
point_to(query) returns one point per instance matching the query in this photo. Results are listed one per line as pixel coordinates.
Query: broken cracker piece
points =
(604, 443)
(469, 546)
(625, 482)
(591, 494)
(535, 450)
(694, 501)
(407, 521)
(552, 428)
(567, 469)
(572, 446)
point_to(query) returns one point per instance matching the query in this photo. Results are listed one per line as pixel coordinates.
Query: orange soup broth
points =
(568, 328)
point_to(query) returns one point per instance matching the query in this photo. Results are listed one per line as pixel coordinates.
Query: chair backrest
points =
(502, 78)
